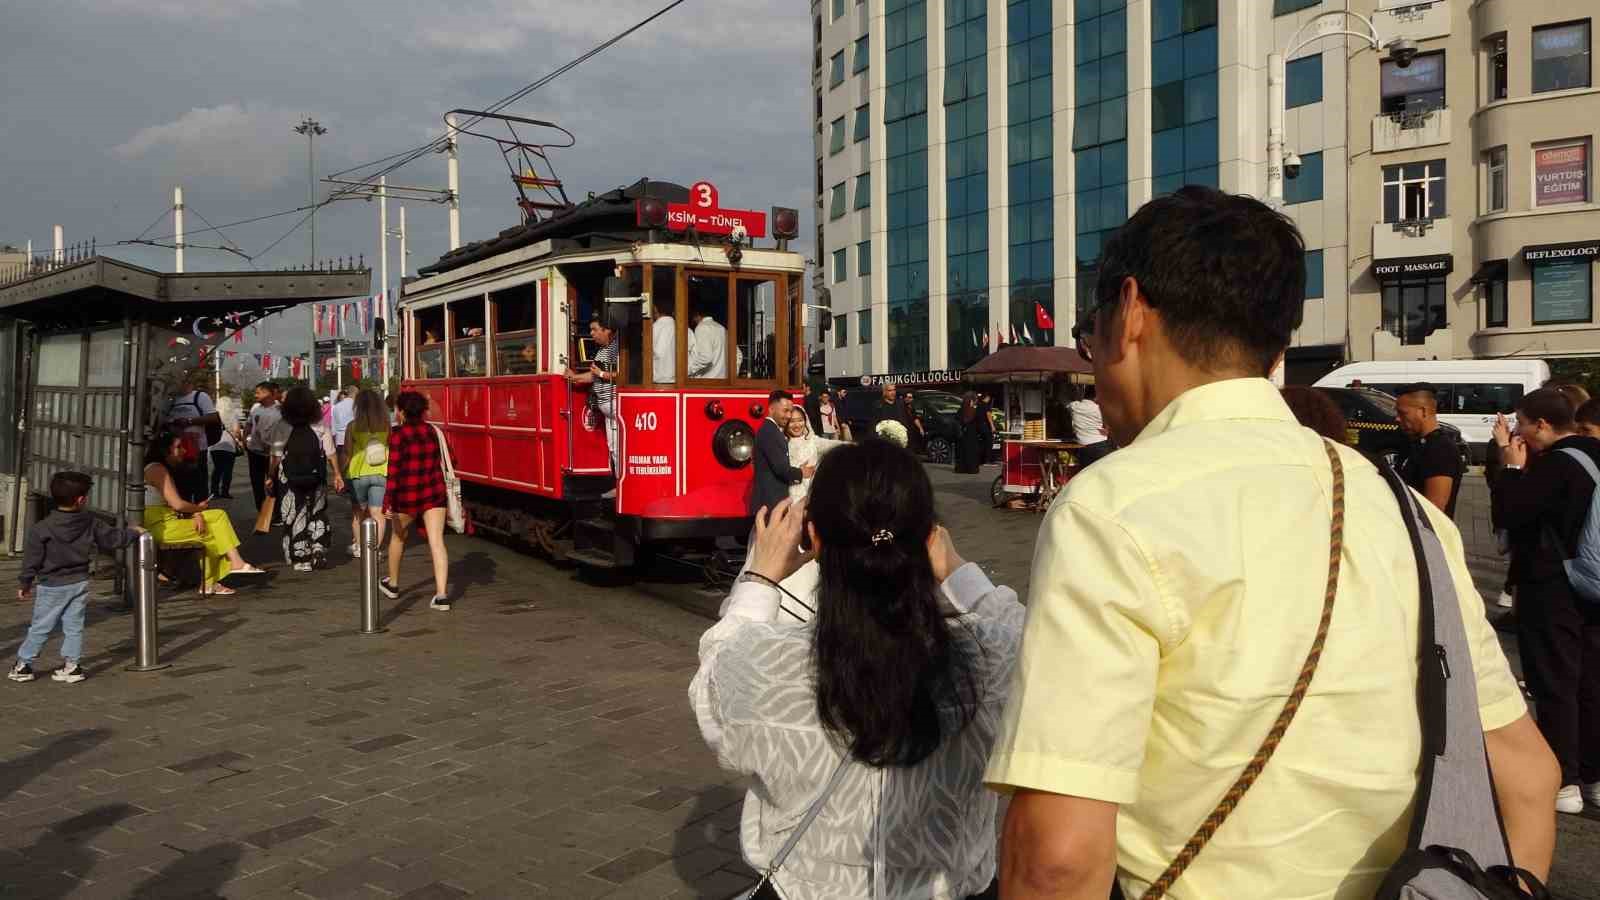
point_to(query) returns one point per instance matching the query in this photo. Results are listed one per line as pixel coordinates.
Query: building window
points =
(1414, 90)
(841, 332)
(863, 123)
(1413, 308)
(816, 44)
(1496, 309)
(864, 327)
(864, 258)
(836, 70)
(967, 163)
(1495, 50)
(819, 182)
(838, 10)
(1314, 275)
(1561, 57)
(1306, 186)
(1303, 81)
(1414, 191)
(818, 114)
(1495, 195)
(863, 55)
(836, 136)
(1561, 174)
(1184, 126)
(1284, 7)
(905, 151)
(836, 202)
(1561, 292)
(841, 264)
(863, 190)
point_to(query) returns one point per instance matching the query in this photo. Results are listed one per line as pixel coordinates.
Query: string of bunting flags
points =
(350, 319)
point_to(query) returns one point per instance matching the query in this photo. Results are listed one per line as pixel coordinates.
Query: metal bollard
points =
(369, 578)
(142, 580)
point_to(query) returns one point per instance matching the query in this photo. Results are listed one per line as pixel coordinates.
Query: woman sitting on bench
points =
(174, 521)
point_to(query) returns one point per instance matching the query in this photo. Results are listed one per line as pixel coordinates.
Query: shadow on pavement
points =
(62, 852)
(16, 774)
(472, 569)
(713, 823)
(198, 874)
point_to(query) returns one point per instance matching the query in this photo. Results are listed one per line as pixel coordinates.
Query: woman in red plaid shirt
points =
(415, 489)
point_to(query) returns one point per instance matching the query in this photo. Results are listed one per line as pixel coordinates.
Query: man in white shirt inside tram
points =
(708, 347)
(664, 343)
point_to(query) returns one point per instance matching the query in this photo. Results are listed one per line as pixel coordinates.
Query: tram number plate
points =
(646, 421)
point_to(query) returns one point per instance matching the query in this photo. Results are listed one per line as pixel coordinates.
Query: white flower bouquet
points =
(894, 432)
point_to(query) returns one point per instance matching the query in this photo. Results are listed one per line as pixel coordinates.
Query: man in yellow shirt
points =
(1178, 585)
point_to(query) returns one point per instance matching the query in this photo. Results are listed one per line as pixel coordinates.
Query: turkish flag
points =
(1042, 318)
(355, 369)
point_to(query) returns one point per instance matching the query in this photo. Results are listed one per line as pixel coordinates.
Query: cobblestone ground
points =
(536, 741)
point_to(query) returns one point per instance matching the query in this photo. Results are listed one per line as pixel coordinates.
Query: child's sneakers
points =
(21, 672)
(69, 673)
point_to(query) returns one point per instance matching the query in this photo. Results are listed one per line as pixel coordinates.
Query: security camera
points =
(1291, 165)
(1402, 51)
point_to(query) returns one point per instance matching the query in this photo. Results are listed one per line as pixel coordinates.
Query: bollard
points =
(369, 578)
(142, 580)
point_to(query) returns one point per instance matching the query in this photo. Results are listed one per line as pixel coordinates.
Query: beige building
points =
(1474, 230)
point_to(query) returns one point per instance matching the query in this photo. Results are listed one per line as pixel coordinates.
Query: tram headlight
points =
(734, 444)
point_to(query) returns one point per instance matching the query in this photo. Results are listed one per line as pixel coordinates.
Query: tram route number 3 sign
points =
(706, 216)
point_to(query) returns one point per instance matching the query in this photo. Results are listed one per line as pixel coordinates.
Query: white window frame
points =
(1490, 170)
(1401, 182)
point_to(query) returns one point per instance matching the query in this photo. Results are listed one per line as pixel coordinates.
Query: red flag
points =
(266, 362)
(238, 336)
(1042, 318)
(316, 318)
(355, 369)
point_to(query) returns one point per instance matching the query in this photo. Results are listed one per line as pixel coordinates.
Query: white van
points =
(1471, 391)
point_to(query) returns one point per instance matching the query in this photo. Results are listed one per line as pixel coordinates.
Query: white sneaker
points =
(1569, 800)
(1506, 600)
(1591, 793)
(355, 550)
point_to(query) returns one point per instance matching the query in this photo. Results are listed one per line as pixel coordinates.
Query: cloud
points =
(250, 145)
(187, 9)
(499, 27)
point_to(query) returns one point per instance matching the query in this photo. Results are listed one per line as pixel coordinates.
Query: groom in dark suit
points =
(773, 472)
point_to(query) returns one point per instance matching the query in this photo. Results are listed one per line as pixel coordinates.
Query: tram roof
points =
(100, 289)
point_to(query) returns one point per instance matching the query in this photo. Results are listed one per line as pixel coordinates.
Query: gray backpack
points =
(1457, 849)
(1583, 569)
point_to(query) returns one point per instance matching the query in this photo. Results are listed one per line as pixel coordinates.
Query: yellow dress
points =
(169, 529)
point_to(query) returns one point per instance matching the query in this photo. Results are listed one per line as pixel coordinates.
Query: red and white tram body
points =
(488, 332)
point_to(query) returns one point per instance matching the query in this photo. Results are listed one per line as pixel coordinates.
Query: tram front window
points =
(758, 329)
(708, 308)
(516, 335)
(429, 324)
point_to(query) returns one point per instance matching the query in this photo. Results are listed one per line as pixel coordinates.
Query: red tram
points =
(709, 326)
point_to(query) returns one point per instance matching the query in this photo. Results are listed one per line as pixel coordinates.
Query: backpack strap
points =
(1585, 461)
(1269, 745)
(1455, 805)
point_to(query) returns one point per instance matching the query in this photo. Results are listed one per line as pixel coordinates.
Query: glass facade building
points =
(966, 112)
(905, 126)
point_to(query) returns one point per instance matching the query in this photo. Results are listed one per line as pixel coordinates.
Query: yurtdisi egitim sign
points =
(704, 215)
(1561, 175)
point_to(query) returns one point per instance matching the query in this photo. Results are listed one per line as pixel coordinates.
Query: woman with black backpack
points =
(303, 459)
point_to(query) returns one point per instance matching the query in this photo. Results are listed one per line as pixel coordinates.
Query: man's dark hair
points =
(300, 407)
(412, 406)
(266, 386)
(1226, 273)
(1588, 414)
(777, 395)
(1548, 404)
(67, 487)
(1088, 392)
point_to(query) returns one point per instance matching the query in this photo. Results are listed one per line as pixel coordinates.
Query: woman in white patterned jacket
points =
(891, 694)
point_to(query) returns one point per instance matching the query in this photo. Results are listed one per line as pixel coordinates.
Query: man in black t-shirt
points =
(1433, 465)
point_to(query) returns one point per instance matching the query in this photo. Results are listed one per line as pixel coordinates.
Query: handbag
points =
(799, 830)
(455, 512)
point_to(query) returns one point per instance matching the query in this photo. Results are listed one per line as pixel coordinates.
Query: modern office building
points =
(972, 156)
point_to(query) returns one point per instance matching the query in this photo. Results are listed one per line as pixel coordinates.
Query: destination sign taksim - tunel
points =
(705, 216)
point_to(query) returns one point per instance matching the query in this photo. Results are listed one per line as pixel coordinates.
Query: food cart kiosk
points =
(1037, 447)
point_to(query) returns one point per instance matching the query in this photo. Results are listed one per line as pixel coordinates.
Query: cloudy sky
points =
(109, 104)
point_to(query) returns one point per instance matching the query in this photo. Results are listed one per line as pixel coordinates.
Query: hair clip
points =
(882, 536)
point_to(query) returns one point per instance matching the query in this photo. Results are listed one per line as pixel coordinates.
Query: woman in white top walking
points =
(897, 684)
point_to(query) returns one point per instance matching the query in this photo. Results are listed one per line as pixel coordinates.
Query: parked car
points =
(1372, 424)
(940, 412)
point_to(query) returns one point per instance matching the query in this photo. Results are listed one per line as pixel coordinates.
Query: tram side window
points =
(708, 312)
(632, 337)
(757, 307)
(430, 342)
(516, 330)
(468, 358)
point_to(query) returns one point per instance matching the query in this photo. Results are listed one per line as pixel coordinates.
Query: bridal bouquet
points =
(894, 432)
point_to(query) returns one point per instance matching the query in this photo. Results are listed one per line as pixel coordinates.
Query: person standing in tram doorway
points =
(602, 377)
(708, 346)
(664, 342)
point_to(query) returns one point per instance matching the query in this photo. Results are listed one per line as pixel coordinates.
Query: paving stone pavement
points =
(536, 741)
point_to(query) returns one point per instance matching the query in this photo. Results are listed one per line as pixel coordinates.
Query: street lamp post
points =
(311, 128)
(1326, 25)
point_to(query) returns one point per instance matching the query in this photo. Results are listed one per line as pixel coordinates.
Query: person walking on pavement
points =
(343, 412)
(829, 417)
(304, 463)
(226, 450)
(1432, 466)
(414, 489)
(263, 418)
(1182, 594)
(812, 405)
(367, 450)
(879, 710)
(1544, 503)
(972, 443)
(192, 413)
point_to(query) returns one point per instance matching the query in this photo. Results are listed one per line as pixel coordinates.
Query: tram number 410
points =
(645, 422)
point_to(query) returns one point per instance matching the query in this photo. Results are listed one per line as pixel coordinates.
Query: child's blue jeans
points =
(64, 603)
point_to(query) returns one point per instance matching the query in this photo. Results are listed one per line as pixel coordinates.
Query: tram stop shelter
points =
(95, 345)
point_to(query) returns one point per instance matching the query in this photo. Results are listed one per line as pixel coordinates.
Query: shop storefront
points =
(1414, 297)
(1562, 279)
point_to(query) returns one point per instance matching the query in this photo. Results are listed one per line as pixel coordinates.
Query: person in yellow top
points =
(1178, 585)
(170, 519)
(366, 443)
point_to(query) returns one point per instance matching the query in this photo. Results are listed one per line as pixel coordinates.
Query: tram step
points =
(593, 558)
(596, 535)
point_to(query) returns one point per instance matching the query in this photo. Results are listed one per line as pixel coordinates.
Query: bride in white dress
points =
(805, 449)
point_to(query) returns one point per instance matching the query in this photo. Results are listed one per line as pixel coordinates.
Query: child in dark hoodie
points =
(57, 557)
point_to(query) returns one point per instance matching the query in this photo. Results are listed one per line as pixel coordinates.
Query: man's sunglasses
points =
(1085, 327)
